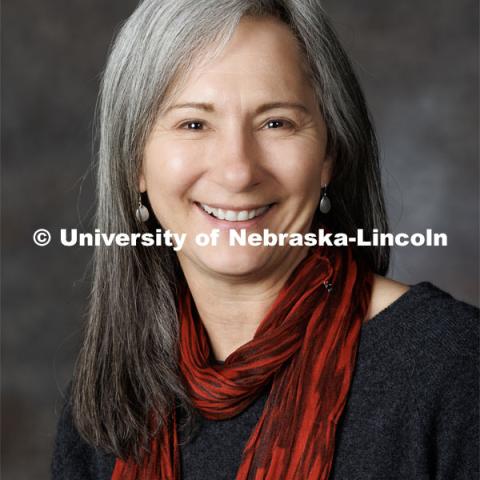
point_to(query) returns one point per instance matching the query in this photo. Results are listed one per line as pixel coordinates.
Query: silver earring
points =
(141, 212)
(325, 204)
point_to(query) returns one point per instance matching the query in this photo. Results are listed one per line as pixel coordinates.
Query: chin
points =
(234, 260)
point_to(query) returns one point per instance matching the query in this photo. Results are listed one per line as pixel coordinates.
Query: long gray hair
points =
(127, 367)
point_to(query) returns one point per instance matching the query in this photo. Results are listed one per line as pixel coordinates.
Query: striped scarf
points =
(306, 346)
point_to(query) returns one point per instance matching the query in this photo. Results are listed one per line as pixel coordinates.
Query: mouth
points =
(234, 216)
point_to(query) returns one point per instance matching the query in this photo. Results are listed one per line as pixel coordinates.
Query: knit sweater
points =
(412, 411)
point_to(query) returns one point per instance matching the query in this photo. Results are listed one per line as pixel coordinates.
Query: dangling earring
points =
(325, 204)
(141, 212)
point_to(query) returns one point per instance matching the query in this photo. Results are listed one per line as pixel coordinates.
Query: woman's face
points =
(244, 137)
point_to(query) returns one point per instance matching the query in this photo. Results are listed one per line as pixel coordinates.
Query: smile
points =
(234, 215)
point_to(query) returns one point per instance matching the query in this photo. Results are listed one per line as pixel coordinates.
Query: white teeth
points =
(230, 215)
(243, 215)
(234, 216)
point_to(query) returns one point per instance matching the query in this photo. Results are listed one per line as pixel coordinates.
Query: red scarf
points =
(306, 344)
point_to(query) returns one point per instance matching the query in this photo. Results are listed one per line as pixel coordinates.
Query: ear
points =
(142, 184)
(327, 169)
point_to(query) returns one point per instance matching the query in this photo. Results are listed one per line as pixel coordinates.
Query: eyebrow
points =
(208, 107)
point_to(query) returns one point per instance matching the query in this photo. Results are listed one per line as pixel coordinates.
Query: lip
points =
(225, 224)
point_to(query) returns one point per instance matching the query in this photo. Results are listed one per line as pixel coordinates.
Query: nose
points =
(236, 166)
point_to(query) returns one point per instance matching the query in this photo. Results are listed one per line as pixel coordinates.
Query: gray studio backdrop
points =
(418, 64)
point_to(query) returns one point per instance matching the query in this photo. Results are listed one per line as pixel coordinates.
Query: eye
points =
(192, 125)
(278, 123)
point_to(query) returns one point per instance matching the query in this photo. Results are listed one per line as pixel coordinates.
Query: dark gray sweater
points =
(412, 411)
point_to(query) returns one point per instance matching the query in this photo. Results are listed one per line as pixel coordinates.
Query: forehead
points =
(262, 57)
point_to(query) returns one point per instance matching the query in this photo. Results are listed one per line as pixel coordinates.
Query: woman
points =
(224, 361)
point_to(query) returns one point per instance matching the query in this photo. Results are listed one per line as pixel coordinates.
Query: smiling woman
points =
(245, 361)
(245, 133)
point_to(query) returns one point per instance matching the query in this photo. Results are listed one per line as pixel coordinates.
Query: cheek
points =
(298, 169)
(169, 170)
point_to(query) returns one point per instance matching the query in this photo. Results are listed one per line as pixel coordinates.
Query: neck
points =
(231, 309)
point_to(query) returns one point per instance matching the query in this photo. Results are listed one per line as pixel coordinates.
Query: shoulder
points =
(384, 292)
(421, 313)
(425, 329)
(422, 300)
(73, 458)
